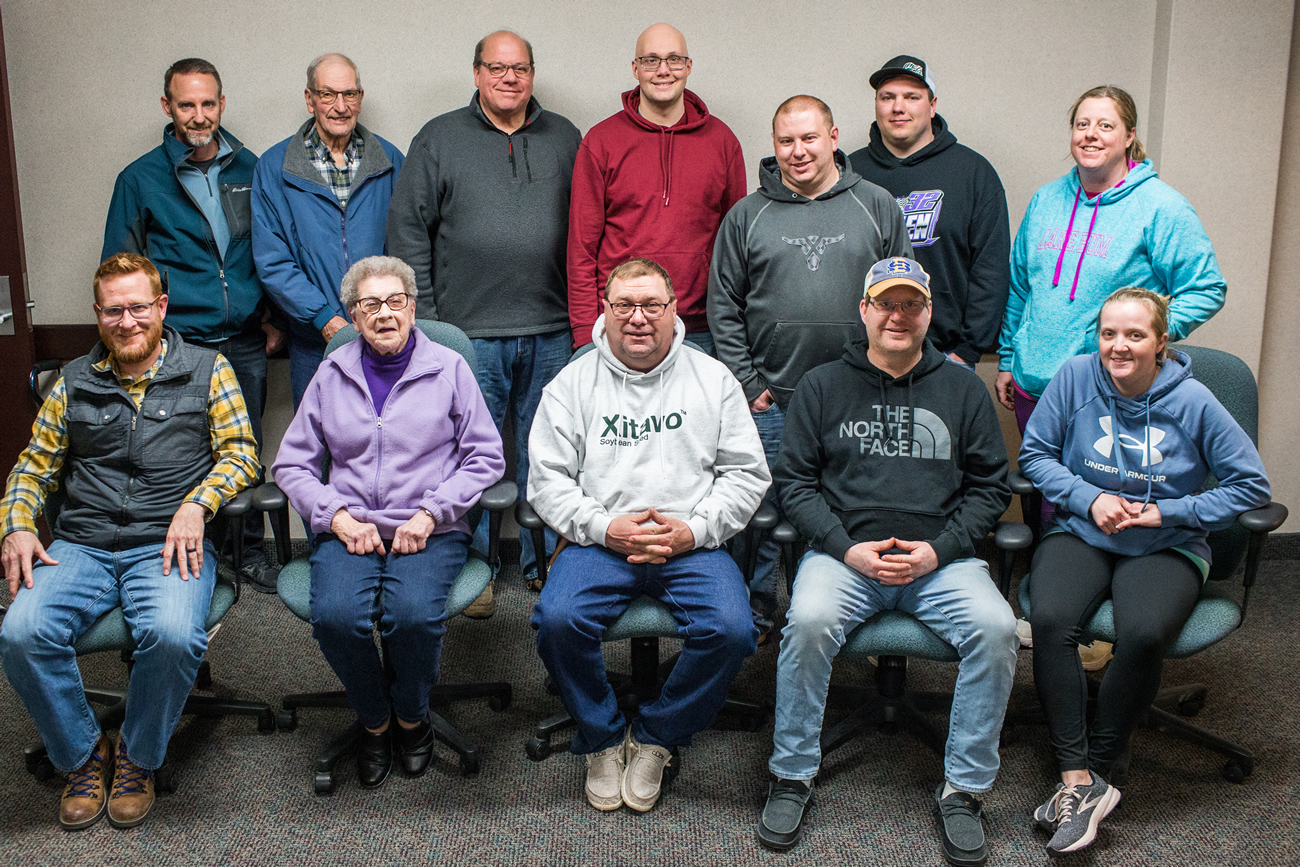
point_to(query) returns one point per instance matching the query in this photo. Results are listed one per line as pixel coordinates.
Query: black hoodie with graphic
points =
(866, 457)
(956, 213)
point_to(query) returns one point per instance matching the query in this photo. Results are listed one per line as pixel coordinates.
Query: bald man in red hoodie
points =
(654, 180)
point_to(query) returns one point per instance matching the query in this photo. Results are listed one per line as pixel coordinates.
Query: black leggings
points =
(1153, 596)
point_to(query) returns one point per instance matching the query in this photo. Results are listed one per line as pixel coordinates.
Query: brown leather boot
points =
(132, 795)
(86, 796)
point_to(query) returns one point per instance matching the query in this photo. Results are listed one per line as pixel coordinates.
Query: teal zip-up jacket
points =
(1072, 252)
(211, 297)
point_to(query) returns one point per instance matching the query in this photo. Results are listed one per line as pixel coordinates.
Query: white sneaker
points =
(605, 778)
(644, 776)
(1095, 655)
(1025, 633)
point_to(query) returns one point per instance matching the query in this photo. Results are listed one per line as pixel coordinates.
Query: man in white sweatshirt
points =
(644, 457)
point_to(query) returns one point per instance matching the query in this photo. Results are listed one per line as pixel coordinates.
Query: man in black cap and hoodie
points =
(954, 205)
(892, 467)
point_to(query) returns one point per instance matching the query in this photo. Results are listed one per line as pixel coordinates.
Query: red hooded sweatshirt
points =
(641, 189)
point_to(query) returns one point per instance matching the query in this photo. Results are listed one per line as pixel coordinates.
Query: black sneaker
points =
(258, 573)
(1079, 812)
(961, 828)
(781, 823)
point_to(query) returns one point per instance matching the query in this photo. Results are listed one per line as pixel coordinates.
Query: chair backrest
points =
(443, 333)
(1233, 385)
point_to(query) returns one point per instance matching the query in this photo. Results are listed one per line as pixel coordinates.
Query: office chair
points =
(294, 588)
(109, 632)
(1217, 613)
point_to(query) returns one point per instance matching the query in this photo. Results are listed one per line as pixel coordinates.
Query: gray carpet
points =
(246, 798)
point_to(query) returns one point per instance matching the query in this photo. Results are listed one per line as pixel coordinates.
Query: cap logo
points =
(899, 266)
(914, 68)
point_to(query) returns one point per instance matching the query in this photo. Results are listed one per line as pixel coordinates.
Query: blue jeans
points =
(407, 595)
(959, 602)
(246, 353)
(762, 587)
(587, 590)
(512, 371)
(165, 617)
(305, 355)
(703, 340)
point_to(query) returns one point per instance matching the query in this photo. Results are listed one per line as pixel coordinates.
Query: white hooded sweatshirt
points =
(609, 441)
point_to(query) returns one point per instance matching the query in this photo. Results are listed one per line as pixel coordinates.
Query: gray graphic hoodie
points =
(788, 273)
(608, 441)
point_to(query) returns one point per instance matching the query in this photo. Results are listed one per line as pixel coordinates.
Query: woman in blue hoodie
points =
(1122, 443)
(1109, 222)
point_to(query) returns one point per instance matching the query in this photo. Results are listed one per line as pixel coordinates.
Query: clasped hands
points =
(1112, 514)
(653, 542)
(892, 569)
(363, 537)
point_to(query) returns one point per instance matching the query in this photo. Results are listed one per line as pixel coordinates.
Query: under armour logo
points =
(1150, 454)
(814, 247)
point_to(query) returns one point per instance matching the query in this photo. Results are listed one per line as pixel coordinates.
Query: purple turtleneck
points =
(383, 371)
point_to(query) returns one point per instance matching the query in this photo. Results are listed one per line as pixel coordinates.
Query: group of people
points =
(811, 342)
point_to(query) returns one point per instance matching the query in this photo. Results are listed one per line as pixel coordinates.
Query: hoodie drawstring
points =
(666, 160)
(1118, 447)
(1069, 233)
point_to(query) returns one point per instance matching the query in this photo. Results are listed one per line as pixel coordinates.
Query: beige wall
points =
(85, 77)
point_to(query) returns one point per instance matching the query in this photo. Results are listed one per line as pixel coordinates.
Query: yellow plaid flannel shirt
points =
(36, 474)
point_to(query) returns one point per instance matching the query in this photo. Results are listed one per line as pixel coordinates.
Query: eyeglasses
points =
(113, 315)
(397, 301)
(329, 97)
(650, 62)
(497, 70)
(908, 308)
(625, 309)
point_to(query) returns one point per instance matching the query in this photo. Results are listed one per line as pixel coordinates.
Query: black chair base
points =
(323, 780)
(632, 690)
(887, 705)
(114, 712)
(1188, 699)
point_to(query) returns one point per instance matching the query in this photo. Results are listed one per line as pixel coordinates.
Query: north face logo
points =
(1150, 454)
(814, 247)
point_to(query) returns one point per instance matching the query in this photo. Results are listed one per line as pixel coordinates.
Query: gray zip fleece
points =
(788, 273)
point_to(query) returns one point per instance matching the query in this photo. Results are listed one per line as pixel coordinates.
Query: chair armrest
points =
(45, 365)
(765, 518)
(527, 518)
(238, 505)
(1265, 519)
(500, 496)
(1019, 484)
(1012, 536)
(785, 533)
(269, 498)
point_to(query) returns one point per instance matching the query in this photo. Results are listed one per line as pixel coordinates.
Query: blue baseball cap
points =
(897, 271)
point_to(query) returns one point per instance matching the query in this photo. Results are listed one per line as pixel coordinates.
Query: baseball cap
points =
(903, 64)
(897, 271)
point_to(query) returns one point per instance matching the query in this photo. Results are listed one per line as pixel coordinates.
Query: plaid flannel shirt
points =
(36, 474)
(339, 180)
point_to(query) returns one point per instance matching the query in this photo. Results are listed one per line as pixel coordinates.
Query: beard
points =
(198, 138)
(131, 349)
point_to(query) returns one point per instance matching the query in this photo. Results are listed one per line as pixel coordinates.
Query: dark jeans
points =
(762, 587)
(587, 590)
(1153, 596)
(246, 353)
(407, 595)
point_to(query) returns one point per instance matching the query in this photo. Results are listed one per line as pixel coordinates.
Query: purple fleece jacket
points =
(435, 446)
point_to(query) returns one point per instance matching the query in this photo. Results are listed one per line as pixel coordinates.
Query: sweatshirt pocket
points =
(798, 347)
(1041, 349)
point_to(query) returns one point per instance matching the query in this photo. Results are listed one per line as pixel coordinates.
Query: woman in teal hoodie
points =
(1109, 222)
(1122, 443)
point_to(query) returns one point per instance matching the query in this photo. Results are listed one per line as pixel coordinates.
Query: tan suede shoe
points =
(86, 796)
(132, 795)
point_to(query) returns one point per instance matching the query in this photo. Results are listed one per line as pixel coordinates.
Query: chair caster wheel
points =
(751, 722)
(203, 680)
(164, 780)
(537, 748)
(286, 720)
(469, 764)
(323, 783)
(672, 769)
(1236, 771)
(499, 703)
(42, 770)
(266, 722)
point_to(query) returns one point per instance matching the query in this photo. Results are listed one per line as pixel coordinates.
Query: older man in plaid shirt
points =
(140, 442)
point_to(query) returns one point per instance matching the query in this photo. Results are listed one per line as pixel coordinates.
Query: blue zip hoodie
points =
(1072, 252)
(1085, 439)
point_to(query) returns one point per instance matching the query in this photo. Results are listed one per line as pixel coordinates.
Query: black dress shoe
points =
(415, 748)
(374, 757)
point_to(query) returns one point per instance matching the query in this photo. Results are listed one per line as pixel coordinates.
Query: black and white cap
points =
(903, 64)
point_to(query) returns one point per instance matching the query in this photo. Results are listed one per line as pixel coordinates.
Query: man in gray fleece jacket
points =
(644, 457)
(788, 270)
(481, 213)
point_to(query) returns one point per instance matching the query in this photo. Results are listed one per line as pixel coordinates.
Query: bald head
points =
(499, 39)
(803, 102)
(661, 36)
(332, 59)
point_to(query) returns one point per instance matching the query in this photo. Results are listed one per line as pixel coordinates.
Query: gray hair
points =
(375, 266)
(315, 64)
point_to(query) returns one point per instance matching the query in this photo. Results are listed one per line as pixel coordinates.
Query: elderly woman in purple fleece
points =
(411, 447)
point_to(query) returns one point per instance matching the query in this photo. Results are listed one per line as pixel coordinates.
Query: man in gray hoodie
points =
(788, 270)
(644, 458)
